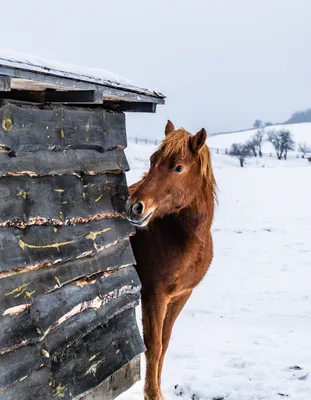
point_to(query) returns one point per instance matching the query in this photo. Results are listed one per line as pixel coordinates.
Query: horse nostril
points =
(138, 208)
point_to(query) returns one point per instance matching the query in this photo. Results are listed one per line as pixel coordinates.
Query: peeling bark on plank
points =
(24, 288)
(89, 162)
(53, 309)
(24, 360)
(61, 127)
(60, 200)
(85, 364)
(24, 249)
(21, 362)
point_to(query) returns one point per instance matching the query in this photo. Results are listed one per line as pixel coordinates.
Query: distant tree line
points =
(296, 118)
(299, 117)
(282, 142)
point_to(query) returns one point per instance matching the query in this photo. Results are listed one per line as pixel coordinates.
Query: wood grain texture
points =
(39, 245)
(61, 128)
(84, 364)
(24, 288)
(60, 200)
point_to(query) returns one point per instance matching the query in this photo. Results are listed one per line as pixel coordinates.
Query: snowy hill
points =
(300, 132)
(245, 332)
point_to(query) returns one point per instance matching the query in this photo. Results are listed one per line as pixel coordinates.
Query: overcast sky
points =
(221, 63)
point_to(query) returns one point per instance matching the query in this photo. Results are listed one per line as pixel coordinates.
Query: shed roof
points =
(24, 77)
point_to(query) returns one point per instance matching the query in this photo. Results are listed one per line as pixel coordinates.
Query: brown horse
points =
(174, 202)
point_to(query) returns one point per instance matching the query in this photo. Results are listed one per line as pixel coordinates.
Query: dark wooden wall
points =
(68, 290)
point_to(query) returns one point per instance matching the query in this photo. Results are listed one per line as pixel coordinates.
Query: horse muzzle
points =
(137, 214)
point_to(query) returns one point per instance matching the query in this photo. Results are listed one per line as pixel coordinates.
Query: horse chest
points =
(169, 255)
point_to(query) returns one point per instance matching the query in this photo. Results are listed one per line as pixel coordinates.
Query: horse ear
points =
(198, 140)
(169, 127)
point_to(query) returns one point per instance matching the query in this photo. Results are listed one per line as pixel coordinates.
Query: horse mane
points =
(177, 142)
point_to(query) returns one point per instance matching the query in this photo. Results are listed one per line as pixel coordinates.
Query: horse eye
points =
(178, 168)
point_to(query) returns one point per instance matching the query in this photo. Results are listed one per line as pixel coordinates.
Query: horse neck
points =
(198, 215)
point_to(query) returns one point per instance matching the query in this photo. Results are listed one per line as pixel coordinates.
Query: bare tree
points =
(241, 151)
(258, 140)
(304, 148)
(282, 141)
(252, 145)
(255, 143)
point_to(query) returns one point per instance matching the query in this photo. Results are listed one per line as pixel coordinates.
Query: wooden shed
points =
(68, 288)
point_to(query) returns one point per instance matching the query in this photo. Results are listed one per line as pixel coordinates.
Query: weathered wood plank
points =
(5, 83)
(41, 163)
(61, 128)
(45, 279)
(84, 364)
(42, 200)
(121, 293)
(24, 249)
(117, 383)
(53, 309)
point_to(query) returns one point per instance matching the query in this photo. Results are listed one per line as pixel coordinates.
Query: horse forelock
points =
(177, 143)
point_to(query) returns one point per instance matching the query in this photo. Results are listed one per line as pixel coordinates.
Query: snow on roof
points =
(35, 63)
(29, 67)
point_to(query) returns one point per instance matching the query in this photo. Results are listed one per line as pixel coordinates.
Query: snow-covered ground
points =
(245, 334)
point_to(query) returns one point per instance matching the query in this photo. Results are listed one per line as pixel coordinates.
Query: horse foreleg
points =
(153, 313)
(173, 310)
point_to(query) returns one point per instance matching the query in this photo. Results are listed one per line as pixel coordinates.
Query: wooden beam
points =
(5, 83)
(78, 98)
(23, 95)
(124, 106)
(74, 96)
